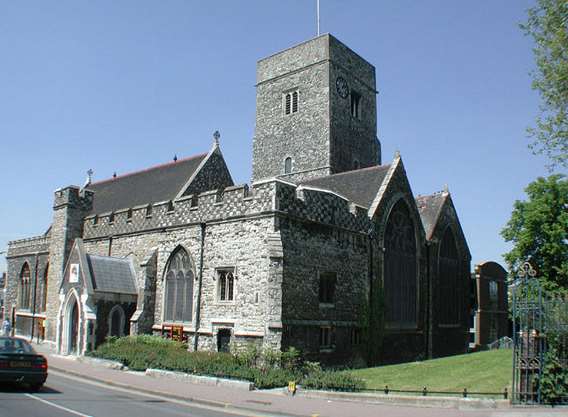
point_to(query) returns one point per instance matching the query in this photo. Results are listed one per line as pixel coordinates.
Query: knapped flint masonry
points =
(286, 261)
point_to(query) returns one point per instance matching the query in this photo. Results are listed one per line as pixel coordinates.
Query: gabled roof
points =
(359, 186)
(429, 207)
(152, 185)
(114, 275)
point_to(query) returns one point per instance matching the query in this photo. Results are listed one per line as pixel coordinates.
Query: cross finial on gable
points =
(89, 179)
(216, 137)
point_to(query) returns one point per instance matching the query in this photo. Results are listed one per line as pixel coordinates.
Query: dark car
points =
(20, 363)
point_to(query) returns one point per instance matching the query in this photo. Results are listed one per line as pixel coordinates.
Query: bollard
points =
(505, 393)
(386, 389)
(424, 391)
(465, 392)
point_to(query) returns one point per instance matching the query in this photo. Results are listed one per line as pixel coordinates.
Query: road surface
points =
(64, 396)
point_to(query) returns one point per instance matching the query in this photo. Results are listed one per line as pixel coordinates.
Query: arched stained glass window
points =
(448, 284)
(43, 297)
(400, 280)
(25, 287)
(179, 288)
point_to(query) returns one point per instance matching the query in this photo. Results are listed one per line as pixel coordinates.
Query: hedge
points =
(267, 370)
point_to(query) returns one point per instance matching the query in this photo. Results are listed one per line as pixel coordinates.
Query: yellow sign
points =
(177, 333)
(292, 387)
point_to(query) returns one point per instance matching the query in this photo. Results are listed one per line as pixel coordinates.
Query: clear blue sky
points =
(122, 85)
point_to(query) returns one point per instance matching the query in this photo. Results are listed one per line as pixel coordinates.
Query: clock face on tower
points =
(342, 87)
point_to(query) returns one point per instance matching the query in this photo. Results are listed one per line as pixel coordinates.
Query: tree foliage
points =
(547, 24)
(538, 229)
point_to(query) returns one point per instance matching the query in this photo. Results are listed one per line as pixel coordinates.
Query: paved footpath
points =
(265, 402)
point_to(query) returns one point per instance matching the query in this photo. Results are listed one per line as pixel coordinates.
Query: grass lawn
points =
(488, 371)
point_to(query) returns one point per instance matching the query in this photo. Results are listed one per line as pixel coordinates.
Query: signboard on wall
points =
(74, 273)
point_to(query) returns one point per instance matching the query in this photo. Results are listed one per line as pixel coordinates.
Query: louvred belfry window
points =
(291, 102)
(179, 288)
(449, 285)
(400, 280)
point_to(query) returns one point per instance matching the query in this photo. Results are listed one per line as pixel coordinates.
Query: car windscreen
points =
(10, 345)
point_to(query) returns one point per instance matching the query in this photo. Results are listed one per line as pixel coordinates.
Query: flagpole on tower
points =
(318, 15)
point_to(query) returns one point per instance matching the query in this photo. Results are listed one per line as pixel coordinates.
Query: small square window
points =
(111, 218)
(170, 206)
(355, 104)
(327, 287)
(149, 210)
(95, 220)
(325, 337)
(129, 215)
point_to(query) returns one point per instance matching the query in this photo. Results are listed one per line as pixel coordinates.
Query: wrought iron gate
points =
(528, 337)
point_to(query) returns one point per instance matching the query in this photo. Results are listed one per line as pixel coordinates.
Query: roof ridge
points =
(162, 165)
(90, 255)
(349, 172)
(441, 193)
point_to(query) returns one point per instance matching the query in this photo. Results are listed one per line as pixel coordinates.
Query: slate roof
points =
(429, 207)
(152, 185)
(360, 186)
(114, 275)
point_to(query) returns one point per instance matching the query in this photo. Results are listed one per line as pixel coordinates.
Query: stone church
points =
(289, 260)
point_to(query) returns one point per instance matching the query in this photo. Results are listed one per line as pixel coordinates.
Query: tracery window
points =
(400, 280)
(25, 275)
(449, 294)
(226, 284)
(179, 288)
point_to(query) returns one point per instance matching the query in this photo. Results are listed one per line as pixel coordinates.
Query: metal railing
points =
(425, 392)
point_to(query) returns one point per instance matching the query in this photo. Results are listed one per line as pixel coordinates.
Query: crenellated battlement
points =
(28, 246)
(231, 203)
(73, 196)
(321, 206)
(216, 205)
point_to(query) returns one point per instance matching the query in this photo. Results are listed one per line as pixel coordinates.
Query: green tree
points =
(547, 24)
(538, 229)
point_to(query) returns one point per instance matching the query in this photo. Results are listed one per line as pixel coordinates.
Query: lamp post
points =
(3, 290)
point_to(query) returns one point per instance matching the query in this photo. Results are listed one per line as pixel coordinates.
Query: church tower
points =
(316, 112)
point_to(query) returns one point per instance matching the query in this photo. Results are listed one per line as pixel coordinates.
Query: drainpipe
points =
(371, 319)
(199, 284)
(428, 318)
(34, 298)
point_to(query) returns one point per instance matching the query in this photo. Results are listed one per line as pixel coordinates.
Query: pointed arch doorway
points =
(71, 327)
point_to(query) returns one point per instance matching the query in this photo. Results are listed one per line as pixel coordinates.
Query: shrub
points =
(334, 381)
(247, 356)
(143, 352)
(291, 358)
